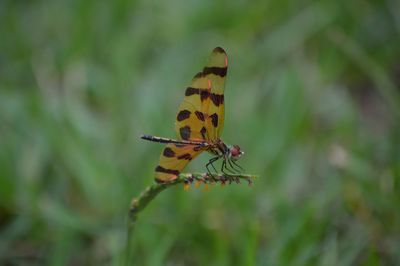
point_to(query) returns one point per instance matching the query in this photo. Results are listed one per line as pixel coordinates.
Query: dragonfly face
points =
(235, 152)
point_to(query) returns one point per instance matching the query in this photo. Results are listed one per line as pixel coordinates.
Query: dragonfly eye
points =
(235, 152)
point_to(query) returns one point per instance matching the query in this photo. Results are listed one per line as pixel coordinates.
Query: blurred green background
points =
(312, 97)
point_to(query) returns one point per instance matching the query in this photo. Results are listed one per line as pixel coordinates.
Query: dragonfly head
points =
(235, 152)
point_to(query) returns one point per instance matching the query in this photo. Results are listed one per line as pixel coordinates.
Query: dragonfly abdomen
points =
(167, 140)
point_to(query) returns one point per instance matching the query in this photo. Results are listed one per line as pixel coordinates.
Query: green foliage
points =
(312, 98)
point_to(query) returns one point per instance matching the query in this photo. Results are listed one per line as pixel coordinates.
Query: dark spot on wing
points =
(185, 132)
(161, 169)
(190, 91)
(168, 152)
(185, 156)
(204, 94)
(217, 99)
(200, 115)
(183, 114)
(219, 71)
(214, 119)
(203, 132)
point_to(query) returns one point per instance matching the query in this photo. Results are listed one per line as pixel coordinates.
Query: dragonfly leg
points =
(225, 165)
(229, 176)
(241, 168)
(232, 164)
(222, 167)
(210, 162)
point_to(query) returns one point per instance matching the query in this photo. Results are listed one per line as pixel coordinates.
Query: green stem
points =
(139, 203)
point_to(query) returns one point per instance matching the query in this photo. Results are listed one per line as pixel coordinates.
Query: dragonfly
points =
(199, 125)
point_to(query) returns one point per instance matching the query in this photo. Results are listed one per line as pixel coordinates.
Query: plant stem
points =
(139, 203)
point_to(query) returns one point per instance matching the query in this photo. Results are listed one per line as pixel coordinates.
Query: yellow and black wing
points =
(173, 160)
(216, 71)
(200, 117)
(201, 114)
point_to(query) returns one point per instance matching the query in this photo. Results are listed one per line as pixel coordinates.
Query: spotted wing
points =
(216, 71)
(201, 114)
(173, 160)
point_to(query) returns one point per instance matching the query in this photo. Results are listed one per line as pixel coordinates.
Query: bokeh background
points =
(312, 97)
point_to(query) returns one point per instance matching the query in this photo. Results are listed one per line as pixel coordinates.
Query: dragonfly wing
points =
(201, 114)
(216, 71)
(173, 160)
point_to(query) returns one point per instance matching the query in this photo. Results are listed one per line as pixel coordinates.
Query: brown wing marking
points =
(173, 160)
(216, 71)
(190, 120)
